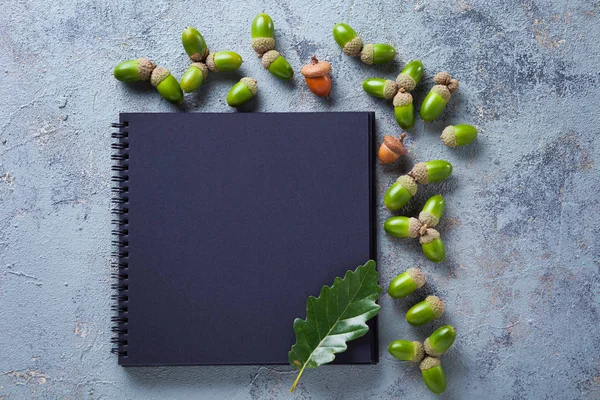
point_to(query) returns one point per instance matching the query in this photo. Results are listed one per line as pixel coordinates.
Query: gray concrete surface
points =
(521, 278)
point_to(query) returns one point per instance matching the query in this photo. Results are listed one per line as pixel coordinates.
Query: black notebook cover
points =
(226, 223)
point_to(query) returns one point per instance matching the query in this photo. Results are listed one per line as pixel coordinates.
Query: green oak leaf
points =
(337, 316)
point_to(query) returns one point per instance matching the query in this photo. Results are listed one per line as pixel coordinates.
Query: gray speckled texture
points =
(521, 280)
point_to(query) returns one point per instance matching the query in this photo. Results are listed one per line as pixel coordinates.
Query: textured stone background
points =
(521, 278)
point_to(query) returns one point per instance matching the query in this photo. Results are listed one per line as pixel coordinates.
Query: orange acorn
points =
(391, 149)
(317, 76)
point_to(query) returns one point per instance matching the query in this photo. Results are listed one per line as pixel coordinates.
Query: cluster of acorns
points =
(392, 148)
(432, 107)
(422, 228)
(352, 45)
(421, 313)
(203, 61)
(316, 72)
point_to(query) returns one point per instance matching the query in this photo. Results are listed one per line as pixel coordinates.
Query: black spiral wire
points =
(120, 232)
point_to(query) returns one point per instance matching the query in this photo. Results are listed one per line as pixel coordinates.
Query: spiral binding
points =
(120, 234)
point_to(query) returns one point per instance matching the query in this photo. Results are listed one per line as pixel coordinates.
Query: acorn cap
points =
(405, 82)
(145, 68)
(417, 276)
(269, 57)
(408, 183)
(428, 219)
(428, 363)
(414, 228)
(210, 62)
(197, 57)
(429, 236)
(395, 144)
(202, 67)
(442, 91)
(366, 54)
(449, 136)
(419, 173)
(159, 74)
(316, 68)
(444, 78)
(402, 98)
(418, 352)
(389, 89)
(353, 47)
(250, 84)
(430, 350)
(437, 305)
(263, 44)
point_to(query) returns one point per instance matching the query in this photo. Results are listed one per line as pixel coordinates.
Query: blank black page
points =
(234, 220)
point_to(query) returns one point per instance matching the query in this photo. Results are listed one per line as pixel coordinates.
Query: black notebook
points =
(226, 223)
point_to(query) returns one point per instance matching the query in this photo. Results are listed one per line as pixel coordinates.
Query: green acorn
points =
(378, 87)
(431, 171)
(432, 211)
(402, 227)
(440, 341)
(400, 192)
(167, 85)
(194, 44)
(432, 245)
(277, 65)
(406, 283)
(404, 110)
(377, 53)
(193, 77)
(263, 36)
(406, 351)
(426, 311)
(433, 375)
(223, 61)
(438, 96)
(458, 135)
(410, 75)
(134, 70)
(407, 80)
(242, 92)
(347, 39)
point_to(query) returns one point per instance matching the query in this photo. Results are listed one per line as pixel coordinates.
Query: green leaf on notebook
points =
(337, 316)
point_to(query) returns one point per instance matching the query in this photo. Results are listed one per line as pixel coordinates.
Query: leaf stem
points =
(297, 378)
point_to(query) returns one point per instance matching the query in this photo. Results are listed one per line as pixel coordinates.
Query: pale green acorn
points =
(438, 96)
(400, 192)
(223, 61)
(194, 44)
(134, 70)
(426, 311)
(440, 341)
(433, 375)
(431, 171)
(458, 135)
(406, 283)
(167, 85)
(263, 34)
(193, 77)
(432, 245)
(242, 92)
(277, 65)
(405, 350)
(347, 39)
(432, 211)
(377, 53)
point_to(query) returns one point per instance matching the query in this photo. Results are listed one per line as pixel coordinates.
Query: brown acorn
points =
(391, 149)
(316, 75)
